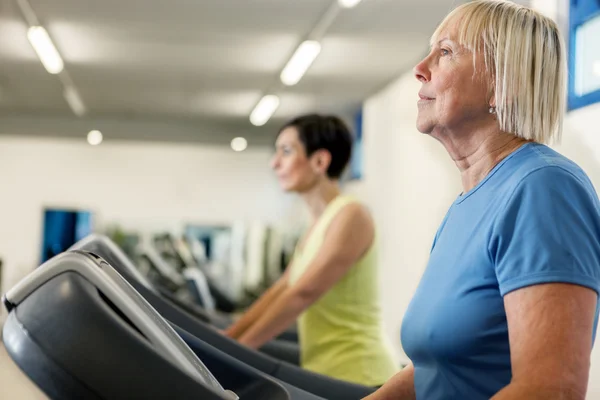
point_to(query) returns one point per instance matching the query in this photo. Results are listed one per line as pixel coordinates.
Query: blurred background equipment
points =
(218, 267)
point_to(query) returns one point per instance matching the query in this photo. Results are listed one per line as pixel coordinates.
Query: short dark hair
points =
(324, 132)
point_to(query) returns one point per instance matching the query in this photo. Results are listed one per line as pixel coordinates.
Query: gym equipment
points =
(186, 325)
(183, 249)
(221, 252)
(115, 256)
(199, 287)
(187, 285)
(159, 273)
(182, 258)
(284, 347)
(104, 247)
(79, 330)
(107, 249)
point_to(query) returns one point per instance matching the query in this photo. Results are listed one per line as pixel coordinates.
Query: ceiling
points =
(193, 70)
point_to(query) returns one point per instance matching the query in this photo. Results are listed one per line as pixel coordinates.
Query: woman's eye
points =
(445, 52)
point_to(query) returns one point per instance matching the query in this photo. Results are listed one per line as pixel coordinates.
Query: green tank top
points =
(341, 335)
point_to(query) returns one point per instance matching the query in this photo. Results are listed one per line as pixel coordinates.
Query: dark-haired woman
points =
(331, 285)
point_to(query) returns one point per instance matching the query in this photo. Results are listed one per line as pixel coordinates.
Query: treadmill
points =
(283, 347)
(193, 330)
(183, 258)
(114, 255)
(183, 253)
(77, 329)
(179, 250)
(186, 285)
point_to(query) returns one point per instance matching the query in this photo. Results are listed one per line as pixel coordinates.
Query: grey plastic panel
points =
(96, 240)
(109, 282)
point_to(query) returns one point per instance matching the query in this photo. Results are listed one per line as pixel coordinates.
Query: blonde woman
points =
(508, 305)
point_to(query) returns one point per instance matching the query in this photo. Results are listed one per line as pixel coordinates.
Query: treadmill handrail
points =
(98, 271)
(161, 265)
(170, 241)
(197, 278)
(123, 258)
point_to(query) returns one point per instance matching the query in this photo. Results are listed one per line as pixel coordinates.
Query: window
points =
(584, 53)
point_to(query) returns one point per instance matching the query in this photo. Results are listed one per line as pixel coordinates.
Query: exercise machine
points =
(77, 329)
(190, 327)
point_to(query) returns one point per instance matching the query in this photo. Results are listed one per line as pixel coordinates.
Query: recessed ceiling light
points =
(94, 137)
(348, 3)
(239, 144)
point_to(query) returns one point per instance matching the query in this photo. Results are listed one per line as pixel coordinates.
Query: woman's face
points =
(453, 97)
(295, 171)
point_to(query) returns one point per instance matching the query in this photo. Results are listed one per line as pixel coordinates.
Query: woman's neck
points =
(476, 156)
(319, 196)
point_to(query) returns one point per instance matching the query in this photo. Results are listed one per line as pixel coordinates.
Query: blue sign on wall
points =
(356, 163)
(62, 229)
(584, 53)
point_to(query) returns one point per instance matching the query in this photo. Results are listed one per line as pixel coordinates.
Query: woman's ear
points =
(492, 101)
(492, 92)
(321, 161)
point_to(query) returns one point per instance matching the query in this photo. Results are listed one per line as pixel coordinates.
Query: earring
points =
(492, 110)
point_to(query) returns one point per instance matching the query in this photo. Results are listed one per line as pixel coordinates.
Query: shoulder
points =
(352, 225)
(548, 198)
(354, 213)
(541, 171)
(350, 234)
(545, 191)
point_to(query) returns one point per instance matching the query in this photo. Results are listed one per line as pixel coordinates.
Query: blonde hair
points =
(525, 54)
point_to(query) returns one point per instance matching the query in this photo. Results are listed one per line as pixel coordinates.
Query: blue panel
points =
(356, 163)
(62, 228)
(83, 225)
(584, 53)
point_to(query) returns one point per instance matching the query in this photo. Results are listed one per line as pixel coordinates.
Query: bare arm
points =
(259, 307)
(550, 331)
(348, 237)
(400, 387)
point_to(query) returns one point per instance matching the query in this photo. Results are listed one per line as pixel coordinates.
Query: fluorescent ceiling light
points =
(72, 97)
(94, 138)
(239, 144)
(300, 62)
(348, 3)
(597, 67)
(43, 46)
(264, 110)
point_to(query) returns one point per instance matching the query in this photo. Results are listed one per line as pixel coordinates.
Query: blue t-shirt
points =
(534, 219)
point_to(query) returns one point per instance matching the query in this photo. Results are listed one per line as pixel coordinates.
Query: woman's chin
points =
(287, 188)
(423, 127)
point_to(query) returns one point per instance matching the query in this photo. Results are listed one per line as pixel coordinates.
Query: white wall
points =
(410, 182)
(581, 143)
(141, 186)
